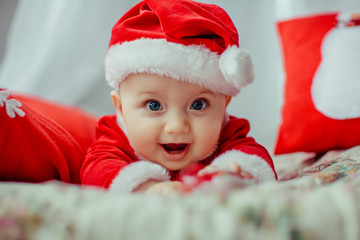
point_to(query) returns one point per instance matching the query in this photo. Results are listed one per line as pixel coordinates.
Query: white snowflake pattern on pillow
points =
(12, 106)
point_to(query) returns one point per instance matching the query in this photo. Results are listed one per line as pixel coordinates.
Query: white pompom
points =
(236, 67)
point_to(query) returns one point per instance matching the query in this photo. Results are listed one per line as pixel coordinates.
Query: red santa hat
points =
(185, 40)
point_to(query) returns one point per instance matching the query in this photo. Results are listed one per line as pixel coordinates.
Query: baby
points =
(174, 66)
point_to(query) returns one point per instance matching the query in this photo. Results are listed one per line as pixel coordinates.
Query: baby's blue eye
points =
(153, 105)
(198, 105)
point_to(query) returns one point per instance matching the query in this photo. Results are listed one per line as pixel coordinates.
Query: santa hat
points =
(185, 40)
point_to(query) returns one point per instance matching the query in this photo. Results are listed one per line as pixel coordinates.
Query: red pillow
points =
(40, 145)
(80, 124)
(305, 126)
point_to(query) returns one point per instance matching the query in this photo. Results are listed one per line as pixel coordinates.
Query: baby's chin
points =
(175, 166)
(179, 164)
(185, 169)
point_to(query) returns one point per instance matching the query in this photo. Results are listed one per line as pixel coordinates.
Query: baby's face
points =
(170, 122)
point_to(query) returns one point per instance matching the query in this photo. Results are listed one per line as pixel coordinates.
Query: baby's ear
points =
(227, 100)
(115, 96)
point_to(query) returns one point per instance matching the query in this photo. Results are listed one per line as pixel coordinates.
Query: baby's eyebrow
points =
(148, 92)
(207, 91)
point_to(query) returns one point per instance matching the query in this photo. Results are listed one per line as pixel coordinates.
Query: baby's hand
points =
(220, 179)
(162, 188)
(232, 169)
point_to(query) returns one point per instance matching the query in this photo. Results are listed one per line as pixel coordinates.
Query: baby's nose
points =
(177, 124)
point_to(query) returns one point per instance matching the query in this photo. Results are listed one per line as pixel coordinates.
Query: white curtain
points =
(55, 49)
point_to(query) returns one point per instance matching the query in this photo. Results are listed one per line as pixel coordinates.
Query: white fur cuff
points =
(136, 173)
(255, 165)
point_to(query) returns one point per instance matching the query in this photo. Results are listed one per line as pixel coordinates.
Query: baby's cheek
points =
(209, 139)
(138, 140)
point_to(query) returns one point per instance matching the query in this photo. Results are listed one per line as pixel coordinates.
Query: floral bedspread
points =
(316, 201)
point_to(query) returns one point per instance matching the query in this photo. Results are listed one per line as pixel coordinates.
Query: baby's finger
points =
(234, 167)
(206, 170)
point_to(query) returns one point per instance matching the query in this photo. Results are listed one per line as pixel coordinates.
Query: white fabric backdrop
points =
(55, 49)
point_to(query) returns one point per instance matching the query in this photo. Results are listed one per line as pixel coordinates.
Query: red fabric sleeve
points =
(110, 153)
(234, 137)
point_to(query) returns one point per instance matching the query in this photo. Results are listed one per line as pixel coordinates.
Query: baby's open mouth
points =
(174, 148)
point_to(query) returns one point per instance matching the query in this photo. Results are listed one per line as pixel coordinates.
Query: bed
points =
(317, 158)
(318, 200)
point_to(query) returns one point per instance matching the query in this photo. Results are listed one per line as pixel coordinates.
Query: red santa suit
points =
(112, 163)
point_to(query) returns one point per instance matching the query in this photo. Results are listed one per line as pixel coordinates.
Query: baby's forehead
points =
(152, 83)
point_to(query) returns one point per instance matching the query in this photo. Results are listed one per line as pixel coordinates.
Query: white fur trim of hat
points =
(226, 74)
